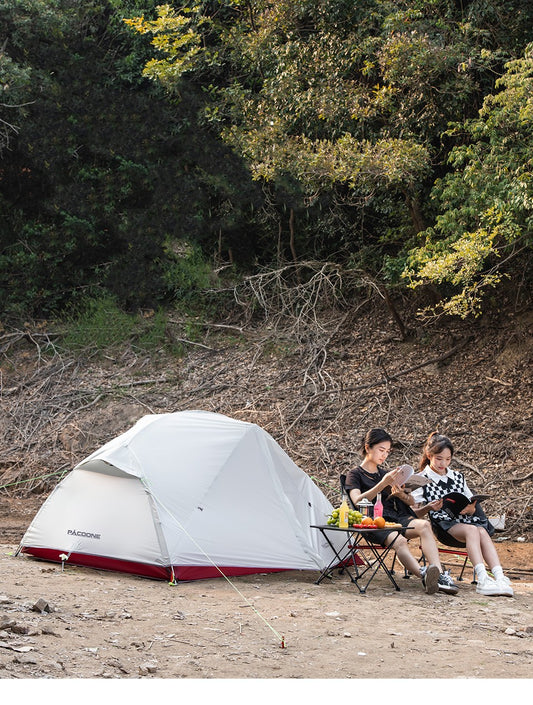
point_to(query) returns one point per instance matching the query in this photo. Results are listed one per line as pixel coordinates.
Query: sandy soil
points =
(100, 625)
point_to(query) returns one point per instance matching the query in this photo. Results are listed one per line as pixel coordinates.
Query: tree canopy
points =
(137, 139)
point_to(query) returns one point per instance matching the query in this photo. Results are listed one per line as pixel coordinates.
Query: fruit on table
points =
(380, 522)
(353, 517)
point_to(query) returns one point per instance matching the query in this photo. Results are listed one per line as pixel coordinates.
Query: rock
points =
(42, 606)
(20, 629)
(115, 663)
(7, 624)
(25, 660)
(147, 668)
(50, 631)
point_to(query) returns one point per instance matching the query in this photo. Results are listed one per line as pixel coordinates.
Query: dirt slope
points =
(316, 396)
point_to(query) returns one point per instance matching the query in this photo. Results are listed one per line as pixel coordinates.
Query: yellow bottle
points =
(344, 511)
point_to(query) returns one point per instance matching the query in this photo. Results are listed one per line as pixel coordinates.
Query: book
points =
(454, 503)
(409, 479)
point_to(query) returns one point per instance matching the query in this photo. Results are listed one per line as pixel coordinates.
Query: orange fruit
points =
(379, 522)
(367, 520)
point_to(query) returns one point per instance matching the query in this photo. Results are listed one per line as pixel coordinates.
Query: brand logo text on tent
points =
(84, 534)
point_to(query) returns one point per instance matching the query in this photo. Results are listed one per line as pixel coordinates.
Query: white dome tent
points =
(182, 496)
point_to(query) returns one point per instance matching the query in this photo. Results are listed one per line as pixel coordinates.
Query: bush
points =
(98, 324)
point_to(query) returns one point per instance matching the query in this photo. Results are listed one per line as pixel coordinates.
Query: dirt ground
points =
(77, 623)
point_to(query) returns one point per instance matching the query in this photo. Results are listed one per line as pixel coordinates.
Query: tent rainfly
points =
(183, 496)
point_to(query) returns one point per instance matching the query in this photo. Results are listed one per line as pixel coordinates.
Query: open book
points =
(410, 479)
(454, 503)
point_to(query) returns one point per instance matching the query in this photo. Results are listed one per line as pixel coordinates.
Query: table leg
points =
(341, 560)
(379, 560)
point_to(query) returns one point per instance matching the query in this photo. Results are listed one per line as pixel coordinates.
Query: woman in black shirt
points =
(367, 481)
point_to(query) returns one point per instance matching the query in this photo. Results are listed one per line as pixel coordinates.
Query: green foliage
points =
(336, 103)
(97, 324)
(186, 272)
(143, 141)
(104, 172)
(486, 203)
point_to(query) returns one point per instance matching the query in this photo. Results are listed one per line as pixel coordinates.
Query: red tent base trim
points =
(179, 573)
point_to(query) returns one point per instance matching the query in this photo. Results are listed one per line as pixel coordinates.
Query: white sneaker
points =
(488, 586)
(504, 586)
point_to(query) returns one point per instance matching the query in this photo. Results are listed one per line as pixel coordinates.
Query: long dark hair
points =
(434, 445)
(373, 437)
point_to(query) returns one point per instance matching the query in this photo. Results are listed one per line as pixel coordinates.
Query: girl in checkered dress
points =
(470, 528)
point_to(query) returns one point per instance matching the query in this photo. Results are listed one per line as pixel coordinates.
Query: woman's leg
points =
(405, 556)
(488, 550)
(480, 548)
(471, 536)
(422, 529)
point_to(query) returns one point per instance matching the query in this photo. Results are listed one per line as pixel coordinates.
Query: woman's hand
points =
(469, 509)
(434, 506)
(390, 477)
(403, 494)
(395, 490)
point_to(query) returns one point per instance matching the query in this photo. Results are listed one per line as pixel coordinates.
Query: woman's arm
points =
(422, 509)
(356, 495)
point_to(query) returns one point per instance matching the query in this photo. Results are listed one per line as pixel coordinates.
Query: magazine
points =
(454, 503)
(411, 480)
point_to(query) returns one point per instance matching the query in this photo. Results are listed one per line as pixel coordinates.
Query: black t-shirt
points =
(359, 479)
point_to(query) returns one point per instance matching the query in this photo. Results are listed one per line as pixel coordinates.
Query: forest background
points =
(334, 196)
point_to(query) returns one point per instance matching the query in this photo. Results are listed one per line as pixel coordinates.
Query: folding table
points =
(353, 554)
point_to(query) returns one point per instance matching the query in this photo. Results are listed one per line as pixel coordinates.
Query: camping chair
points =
(352, 506)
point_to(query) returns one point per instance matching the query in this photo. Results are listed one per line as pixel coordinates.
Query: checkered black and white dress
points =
(440, 486)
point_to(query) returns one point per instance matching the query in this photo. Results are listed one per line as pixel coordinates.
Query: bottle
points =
(378, 506)
(344, 511)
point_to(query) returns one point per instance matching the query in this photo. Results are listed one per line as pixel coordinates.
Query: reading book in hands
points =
(454, 503)
(409, 479)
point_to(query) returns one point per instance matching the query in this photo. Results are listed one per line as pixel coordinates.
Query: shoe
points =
(504, 587)
(446, 583)
(488, 586)
(430, 579)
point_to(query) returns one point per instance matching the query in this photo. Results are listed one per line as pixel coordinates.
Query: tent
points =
(181, 495)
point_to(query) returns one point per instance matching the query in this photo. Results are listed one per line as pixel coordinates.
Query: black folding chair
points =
(343, 492)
